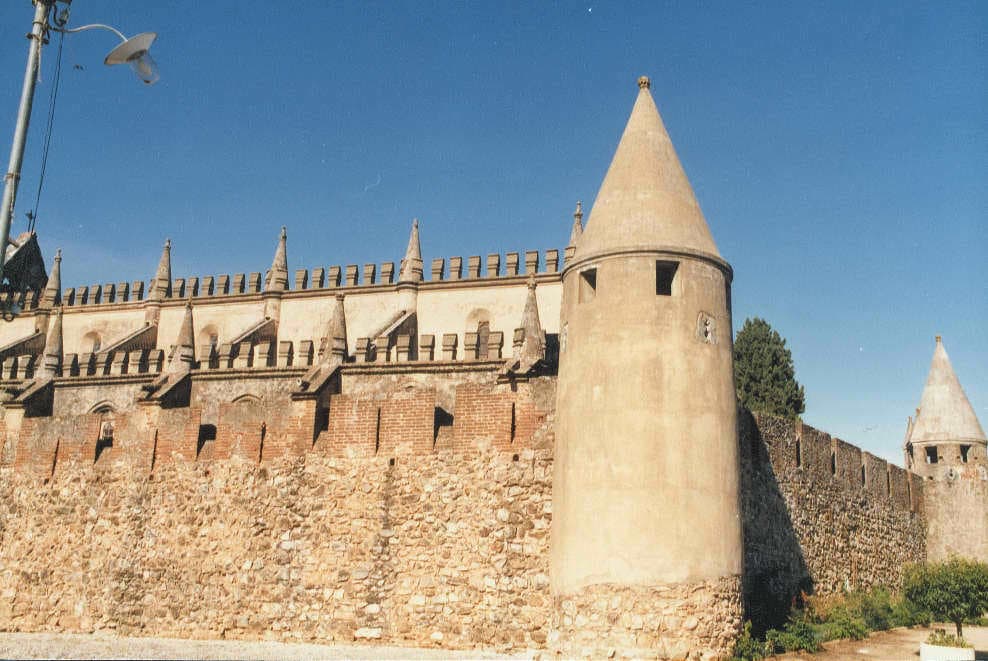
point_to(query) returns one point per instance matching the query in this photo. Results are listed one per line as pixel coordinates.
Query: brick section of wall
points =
(255, 430)
(401, 424)
(408, 422)
(352, 429)
(483, 418)
(177, 435)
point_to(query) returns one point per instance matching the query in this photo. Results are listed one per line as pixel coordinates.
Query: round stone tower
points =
(946, 445)
(645, 490)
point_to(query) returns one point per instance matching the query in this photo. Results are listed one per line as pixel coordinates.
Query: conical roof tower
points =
(646, 411)
(945, 414)
(646, 201)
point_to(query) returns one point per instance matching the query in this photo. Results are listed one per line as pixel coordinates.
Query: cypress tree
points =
(764, 373)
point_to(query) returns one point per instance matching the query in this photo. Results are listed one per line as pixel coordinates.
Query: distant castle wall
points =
(416, 511)
(821, 516)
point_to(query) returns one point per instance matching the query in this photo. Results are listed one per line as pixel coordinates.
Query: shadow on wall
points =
(775, 571)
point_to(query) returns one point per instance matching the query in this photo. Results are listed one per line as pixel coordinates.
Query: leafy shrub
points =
(874, 608)
(907, 614)
(955, 590)
(795, 636)
(944, 639)
(843, 623)
(749, 648)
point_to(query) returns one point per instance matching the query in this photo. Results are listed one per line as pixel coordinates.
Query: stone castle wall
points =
(387, 526)
(395, 524)
(821, 516)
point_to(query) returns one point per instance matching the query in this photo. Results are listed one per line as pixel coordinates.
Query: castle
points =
(540, 451)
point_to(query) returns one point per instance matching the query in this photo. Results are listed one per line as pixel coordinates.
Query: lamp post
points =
(133, 51)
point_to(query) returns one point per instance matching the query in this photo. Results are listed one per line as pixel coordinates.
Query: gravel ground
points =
(102, 646)
(894, 645)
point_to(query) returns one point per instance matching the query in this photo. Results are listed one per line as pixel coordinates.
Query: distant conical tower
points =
(947, 446)
(645, 491)
(946, 431)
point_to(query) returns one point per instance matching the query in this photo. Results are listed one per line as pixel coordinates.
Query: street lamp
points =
(133, 51)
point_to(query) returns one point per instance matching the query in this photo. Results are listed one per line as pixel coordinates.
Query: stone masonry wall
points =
(402, 522)
(820, 516)
(957, 511)
(390, 538)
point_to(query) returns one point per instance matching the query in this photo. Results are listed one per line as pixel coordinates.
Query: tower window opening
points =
(965, 449)
(207, 434)
(833, 463)
(864, 481)
(799, 453)
(588, 285)
(931, 455)
(105, 440)
(665, 273)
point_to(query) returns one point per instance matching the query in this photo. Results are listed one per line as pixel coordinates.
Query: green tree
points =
(954, 590)
(763, 371)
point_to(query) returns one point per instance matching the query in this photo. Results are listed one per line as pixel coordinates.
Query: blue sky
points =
(839, 151)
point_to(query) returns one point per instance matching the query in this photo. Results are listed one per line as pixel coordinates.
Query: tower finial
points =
(411, 265)
(644, 83)
(161, 285)
(52, 294)
(277, 277)
(576, 232)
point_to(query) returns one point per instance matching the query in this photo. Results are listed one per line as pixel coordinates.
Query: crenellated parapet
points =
(475, 269)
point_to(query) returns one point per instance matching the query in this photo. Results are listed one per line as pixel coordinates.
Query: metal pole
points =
(13, 176)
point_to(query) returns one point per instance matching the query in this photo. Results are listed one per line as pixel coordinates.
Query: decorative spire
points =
(646, 200)
(277, 279)
(576, 232)
(336, 332)
(533, 343)
(411, 265)
(945, 414)
(184, 355)
(161, 285)
(51, 359)
(53, 290)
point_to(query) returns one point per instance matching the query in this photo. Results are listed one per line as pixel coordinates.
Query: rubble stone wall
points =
(427, 526)
(820, 516)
